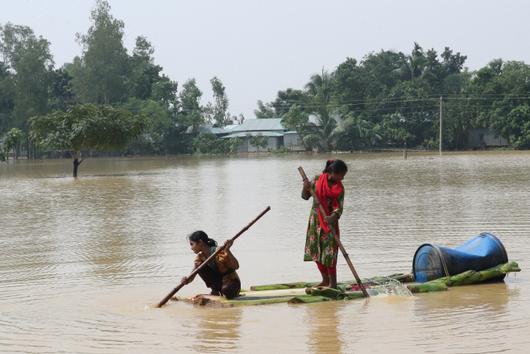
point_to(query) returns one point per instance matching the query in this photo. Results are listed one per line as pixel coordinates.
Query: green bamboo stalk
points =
(465, 278)
(320, 294)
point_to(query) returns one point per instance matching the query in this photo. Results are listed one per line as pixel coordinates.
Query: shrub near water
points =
(210, 144)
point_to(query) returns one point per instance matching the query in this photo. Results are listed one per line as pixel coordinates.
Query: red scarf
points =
(327, 196)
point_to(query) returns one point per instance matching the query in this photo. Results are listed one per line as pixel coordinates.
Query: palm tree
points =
(414, 64)
(320, 92)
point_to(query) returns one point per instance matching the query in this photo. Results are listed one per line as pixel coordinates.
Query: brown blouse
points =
(225, 264)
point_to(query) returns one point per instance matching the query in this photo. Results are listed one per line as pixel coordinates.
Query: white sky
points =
(259, 47)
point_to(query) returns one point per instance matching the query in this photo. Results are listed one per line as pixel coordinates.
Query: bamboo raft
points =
(306, 292)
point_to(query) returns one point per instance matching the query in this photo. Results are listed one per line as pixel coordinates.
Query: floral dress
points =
(320, 245)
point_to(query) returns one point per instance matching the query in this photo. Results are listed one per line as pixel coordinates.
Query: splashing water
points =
(389, 286)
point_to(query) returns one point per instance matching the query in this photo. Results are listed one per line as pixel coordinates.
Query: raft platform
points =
(307, 292)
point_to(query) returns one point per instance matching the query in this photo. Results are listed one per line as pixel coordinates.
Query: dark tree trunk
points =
(77, 162)
(76, 166)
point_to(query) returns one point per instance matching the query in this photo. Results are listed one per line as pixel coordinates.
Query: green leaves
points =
(100, 75)
(12, 140)
(210, 144)
(28, 59)
(87, 127)
(191, 112)
(517, 127)
(258, 141)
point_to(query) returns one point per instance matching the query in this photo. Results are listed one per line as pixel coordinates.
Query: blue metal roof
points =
(270, 124)
(246, 134)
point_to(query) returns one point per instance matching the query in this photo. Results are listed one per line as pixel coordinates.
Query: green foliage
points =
(157, 125)
(7, 97)
(350, 83)
(210, 144)
(516, 126)
(145, 80)
(62, 94)
(164, 90)
(355, 133)
(144, 73)
(28, 58)
(218, 111)
(321, 135)
(87, 126)
(296, 119)
(100, 75)
(258, 141)
(265, 110)
(190, 112)
(387, 99)
(12, 140)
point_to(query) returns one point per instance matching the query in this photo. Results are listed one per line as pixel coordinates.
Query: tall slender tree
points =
(190, 112)
(7, 97)
(100, 74)
(218, 110)
(28, 58)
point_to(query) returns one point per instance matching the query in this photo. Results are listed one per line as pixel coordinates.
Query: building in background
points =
(259, 135)
(482, 138)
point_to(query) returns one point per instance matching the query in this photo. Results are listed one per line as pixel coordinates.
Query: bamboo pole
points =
(465, 278)
(441, 105)
(203, 264)
(337, 239)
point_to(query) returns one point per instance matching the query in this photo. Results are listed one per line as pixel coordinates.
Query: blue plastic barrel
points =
(479, 253)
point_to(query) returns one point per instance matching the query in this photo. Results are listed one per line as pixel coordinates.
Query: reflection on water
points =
(217, 330)
(480, 310)
(324, 324)
(82, 259)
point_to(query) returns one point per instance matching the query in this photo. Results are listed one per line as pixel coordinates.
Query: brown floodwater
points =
(84, 260)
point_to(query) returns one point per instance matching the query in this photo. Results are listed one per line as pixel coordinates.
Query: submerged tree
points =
(85, 127)
(12, 141)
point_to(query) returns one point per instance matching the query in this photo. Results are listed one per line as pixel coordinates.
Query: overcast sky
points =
(259, 47)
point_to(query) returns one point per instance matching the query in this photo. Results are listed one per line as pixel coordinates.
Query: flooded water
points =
(83, 261)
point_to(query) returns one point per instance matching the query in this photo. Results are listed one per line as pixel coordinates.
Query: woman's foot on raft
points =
(325, 286)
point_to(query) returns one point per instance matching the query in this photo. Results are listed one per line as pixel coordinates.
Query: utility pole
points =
(440, 125)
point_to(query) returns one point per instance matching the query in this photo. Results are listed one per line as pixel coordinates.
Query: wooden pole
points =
(337, 239)
(441, 102)
(203, 264)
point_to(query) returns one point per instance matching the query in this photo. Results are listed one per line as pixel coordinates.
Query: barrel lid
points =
(427, 263)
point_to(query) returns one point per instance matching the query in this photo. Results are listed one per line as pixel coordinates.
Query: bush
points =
(211, 144)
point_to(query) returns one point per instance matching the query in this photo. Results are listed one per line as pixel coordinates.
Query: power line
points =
(365, 106)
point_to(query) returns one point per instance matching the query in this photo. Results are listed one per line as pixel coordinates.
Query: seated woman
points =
(220, 273)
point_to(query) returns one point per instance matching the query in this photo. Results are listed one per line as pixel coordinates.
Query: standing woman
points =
(320, 244)
(220, 273)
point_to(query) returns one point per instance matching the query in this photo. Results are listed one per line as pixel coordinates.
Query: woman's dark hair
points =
(335, 166)
(197, 236)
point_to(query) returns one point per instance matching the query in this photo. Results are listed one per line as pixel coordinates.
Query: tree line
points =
(392, 99)
(105, 99)
(109, 99)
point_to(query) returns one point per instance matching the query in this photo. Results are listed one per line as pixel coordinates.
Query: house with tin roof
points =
(262, 135)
